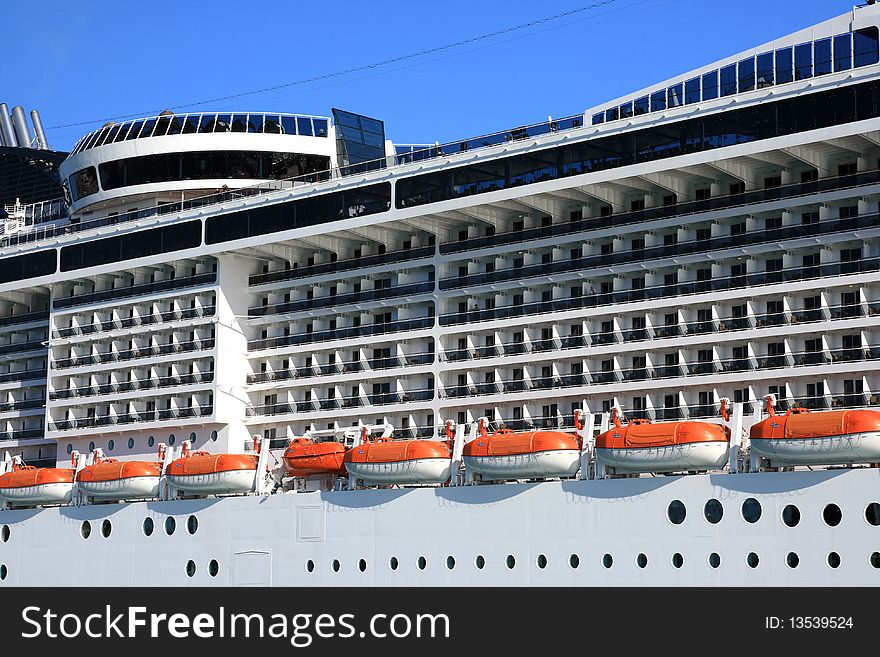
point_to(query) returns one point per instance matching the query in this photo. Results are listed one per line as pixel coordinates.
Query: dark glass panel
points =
(658, 101)
(675, 95)
(692, 91)
(747, 74)
(765, 70)
(626, 110)
(598, 118)
(304, 126)
(822, 56)
(728, 80)
(865, 47)
(843, 52)
(710, 85)
(640, 105)
(803, 61)
(288, 125)
(784, 66)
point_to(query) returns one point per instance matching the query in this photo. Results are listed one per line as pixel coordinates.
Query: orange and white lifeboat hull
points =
(305, 457)
(110, 479)
(386, 461)
(201, 473)
(822, 438)
(30, 486)
(507, 454)
(641, 446)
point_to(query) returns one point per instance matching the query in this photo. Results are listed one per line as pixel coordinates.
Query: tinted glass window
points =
(611, 114)
(803, 61)
(640, 106)
(288, 125)
(83, 183)
(304, 126)
(320, 127)
(658, 101)
(710, 85)
(692, 91)
(865, 50)
(191, 123)
(784, 66)
(765, 70)
(16, 268)
(626, 110)
(728, 80)
(843, 52)
(598, 118)
(675, 95)
(822, 56)
(747, 74)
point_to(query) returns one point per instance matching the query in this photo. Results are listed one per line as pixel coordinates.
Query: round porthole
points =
(192, 524)
(214, 436)
(676, 512)
(393, 563)
(450, 562)
(832, 515)
(310, 566)
(111, 445)
(791, 515)
(362, 565)
(752, 560)
(607, 560)
(714, 560)
(872, 514)
(677, 560)
(335, 565)
(541, 561)
(151, 441)
(131, 443)
(422, 563)
(69, 448)
(751, 510)
(171, 439)
(4, 533)
(148, 526)
(4, 571)
(480, 562)
(833, 559)
(510, 561)
(713, 511)
(85, 529)
(190, 568)
(192, 438)
(106, 528)
(642, 560)
(214, 567)
(792, 560)
(574, 561)
(92, 446)
(170, 525)
(875, 559)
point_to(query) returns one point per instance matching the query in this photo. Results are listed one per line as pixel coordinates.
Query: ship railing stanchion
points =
(472, 435)
(6, 463)
(166, 488)
(457, 431)
(583, 422)
(261, 484)
(79, 462)
(604, 425)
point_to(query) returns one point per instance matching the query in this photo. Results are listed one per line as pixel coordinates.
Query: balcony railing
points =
(342, 333)
(132, 354)
(23, 375)
(131, 418)
(22, 405)
(342, 299)
(25, 318)
(342, 265)
(22, 434)
(133, 385)
(23, 347)
(680, 209)
(134, 290)
(129, 322)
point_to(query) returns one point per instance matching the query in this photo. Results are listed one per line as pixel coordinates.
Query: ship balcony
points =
(412, 433)
(344, 402)
(134, 322)
(400, 326)
(732, 201)
(341, 368)
(178, 348)
(23, 434)
(720, 284)
(21, 348)
(135, 385)
(336, 300)
(22, 405)
(136, 417)
(339, 266)
(24, 320)
(132, 291)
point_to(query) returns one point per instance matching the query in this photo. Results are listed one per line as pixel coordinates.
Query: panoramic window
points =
(658, 101)
(675, 95)
(692, 91)
(765, 70)
(83, 183)
(843, 52)
(784, 66)
(822, 56)
(803, 61)
(865, 47)
(710, 85)
(747, 74)
(640, 105)
(728, 80)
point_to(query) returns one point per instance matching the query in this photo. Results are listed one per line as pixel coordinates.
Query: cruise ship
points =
(632, 347)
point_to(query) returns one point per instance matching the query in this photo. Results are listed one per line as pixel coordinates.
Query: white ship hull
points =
(413, 471)
(833, 450)
(130, 488)
(215, 483)
(54, 493)
(675, 458)
(554, 463)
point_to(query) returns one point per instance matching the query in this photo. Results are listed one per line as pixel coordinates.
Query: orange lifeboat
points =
(802, 437)
(507, 454)
(110, 479)
(642, 446)
(304, 457)
(202, 473)
(388, 461)
(26, 485)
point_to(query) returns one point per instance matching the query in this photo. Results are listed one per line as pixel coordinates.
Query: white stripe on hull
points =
(216, 483)
(413, 471)
(129, 488)
(831, 450)
(552, 463)
(54, 493)
(672, 458)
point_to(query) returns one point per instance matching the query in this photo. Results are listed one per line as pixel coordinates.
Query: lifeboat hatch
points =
(310, 523)
(252, 568)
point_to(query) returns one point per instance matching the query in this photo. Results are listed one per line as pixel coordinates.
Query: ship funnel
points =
(19, 124)
(6, 127)
(38, 130)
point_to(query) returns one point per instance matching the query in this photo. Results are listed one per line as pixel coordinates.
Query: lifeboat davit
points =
(507, 454)
(388, 461)
(26, 485)
(802, 437)
(304, 457)
(110, 479)
(642, 446)
(202, 473)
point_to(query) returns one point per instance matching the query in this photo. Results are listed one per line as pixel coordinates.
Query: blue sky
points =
(88, 60)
